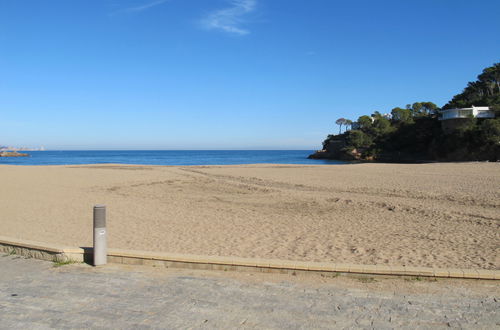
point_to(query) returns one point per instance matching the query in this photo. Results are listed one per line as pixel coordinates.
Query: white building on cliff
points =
(474, 112)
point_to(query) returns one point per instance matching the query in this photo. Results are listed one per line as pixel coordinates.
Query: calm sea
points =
(166, 157)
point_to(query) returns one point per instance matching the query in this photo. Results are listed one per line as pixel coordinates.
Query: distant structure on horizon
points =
(4, 148)
(473, 112)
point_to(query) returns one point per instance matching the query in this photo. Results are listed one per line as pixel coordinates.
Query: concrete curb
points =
(60, 253)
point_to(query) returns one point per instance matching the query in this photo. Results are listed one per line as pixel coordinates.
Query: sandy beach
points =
(432, 215)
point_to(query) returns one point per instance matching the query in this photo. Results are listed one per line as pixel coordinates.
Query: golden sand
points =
(432, 215)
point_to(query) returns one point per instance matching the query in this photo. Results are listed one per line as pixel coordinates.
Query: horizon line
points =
(50, 149)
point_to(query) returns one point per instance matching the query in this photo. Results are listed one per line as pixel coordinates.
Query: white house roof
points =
(472, 108)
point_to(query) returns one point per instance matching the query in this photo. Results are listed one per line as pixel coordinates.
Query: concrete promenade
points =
(36, 295)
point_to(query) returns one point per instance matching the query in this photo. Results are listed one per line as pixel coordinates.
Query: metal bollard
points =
(100, 245)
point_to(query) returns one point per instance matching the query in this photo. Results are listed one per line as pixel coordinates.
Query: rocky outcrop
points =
(12, 154)
(331, 150)
(320, 154)
(355, 154)
(335, 149)
(337, 154)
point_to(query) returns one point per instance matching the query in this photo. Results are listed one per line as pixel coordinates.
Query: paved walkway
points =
(36, 295)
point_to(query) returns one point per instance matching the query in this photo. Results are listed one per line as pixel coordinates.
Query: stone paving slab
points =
(36, 295)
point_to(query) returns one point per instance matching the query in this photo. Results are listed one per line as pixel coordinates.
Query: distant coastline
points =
(4, 148)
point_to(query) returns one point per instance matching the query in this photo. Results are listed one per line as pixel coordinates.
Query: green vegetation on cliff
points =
(483, 92)
(415, 133)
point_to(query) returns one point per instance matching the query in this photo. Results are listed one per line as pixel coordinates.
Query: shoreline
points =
(424, 215)
(343, 162)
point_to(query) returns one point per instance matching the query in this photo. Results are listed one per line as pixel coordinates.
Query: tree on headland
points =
(364, 122)
(358, 139)
(423, 109)
(348, 123)
(483, 92)
(340, 122)
(402, 115)
(376, 115)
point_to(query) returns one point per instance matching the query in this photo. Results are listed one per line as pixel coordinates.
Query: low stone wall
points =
(37, 250)
(170, 260)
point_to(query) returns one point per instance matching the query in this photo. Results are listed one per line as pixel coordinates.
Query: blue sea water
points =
(166, 157)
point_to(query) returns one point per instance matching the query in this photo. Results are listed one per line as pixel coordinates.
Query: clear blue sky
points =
(227, 74)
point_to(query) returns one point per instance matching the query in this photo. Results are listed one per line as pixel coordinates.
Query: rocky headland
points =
(12, 154)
